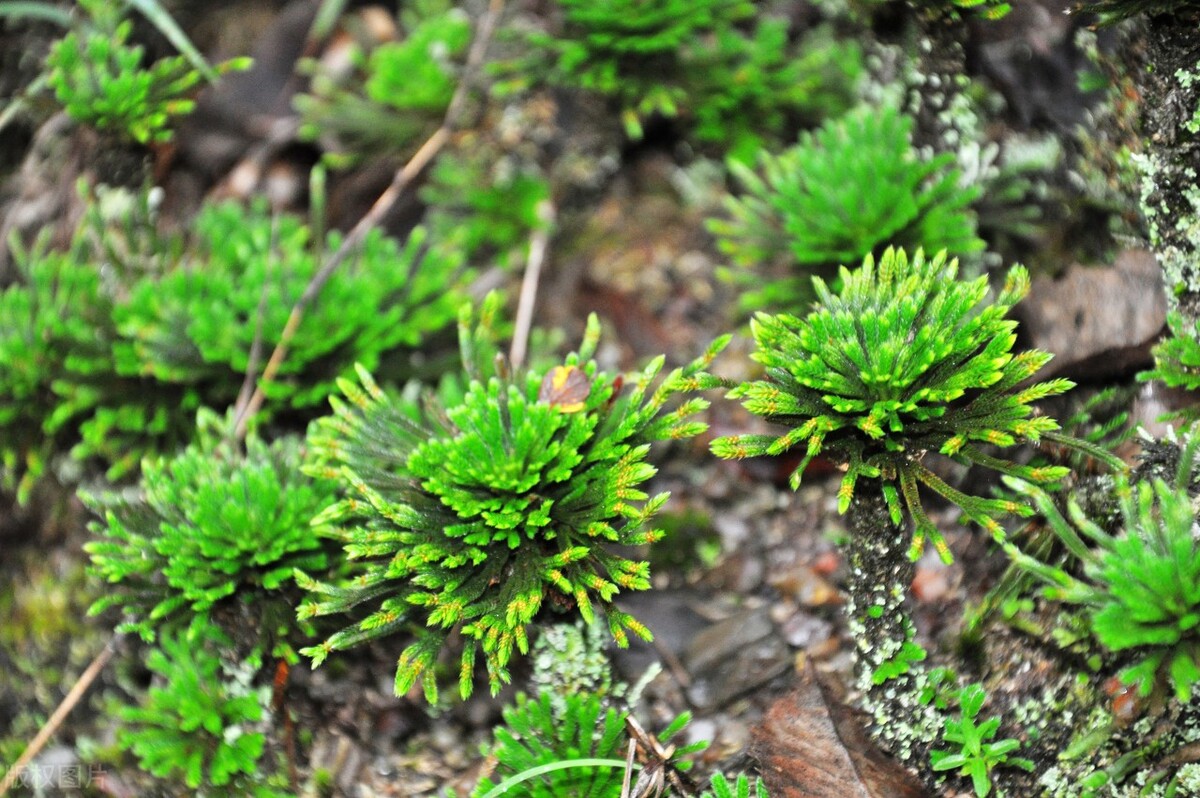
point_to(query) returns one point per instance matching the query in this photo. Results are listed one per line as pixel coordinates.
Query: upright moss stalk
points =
(889, 674)
(880, 574)
(901, 361)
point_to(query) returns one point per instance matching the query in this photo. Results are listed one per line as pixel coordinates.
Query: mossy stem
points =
(889, 673)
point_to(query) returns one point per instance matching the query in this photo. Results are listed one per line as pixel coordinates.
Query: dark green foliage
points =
(213, 523)
(537, 734)
(469, 518)
(102, 81)
(744, 89)
(197, 723)
(699, 61)
(1140, 586)
(902, 360)
(842, 192)
(196, 324)
(974, 754)
(634, 52)
(398, 93)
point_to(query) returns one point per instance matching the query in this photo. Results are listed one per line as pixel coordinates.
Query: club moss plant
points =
(196, 323)
(634, 52)
(903, 360)
(748, 90)
(53, 321)
(200, 723)
(710, 64)
(471, 518)
(843, 191)
(103, 81)
(536, 734)
(214, 526)
(543, 753)
(113, 343)
(1140, 586)
(395, 94)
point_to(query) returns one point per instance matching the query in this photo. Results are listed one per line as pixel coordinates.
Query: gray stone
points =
(733, 657)
(1098, 322)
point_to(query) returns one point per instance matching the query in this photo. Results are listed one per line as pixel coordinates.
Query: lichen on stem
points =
(890, 675)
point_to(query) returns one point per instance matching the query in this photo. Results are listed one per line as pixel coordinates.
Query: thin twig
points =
(400, 183)
(628, 768)
(539, 242)
(659, 768)
(256, 345)
(60, 714)
(674, 665)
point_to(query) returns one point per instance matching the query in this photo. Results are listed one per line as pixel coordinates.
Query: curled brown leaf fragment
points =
(811, 745)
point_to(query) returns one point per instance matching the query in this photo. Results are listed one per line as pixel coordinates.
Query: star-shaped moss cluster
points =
(470, 515)
(903, 360)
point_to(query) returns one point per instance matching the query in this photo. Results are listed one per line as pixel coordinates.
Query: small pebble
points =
(803, 630)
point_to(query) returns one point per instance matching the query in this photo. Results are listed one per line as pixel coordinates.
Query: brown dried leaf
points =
(811, 745)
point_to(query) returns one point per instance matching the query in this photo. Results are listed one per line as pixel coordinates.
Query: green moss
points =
(472, 516)
(842, 193)
(103, 81)
(215, 526)
(900, 360)
(201, 722)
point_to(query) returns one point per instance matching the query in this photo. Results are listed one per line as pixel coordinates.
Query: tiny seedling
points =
(975, 753)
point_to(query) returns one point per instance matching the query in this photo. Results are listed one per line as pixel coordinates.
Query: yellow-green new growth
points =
(903, 360)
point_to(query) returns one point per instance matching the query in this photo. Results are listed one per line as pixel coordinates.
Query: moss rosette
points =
(502, 482)
(469, 516)
(904, 359)
(214, 523)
